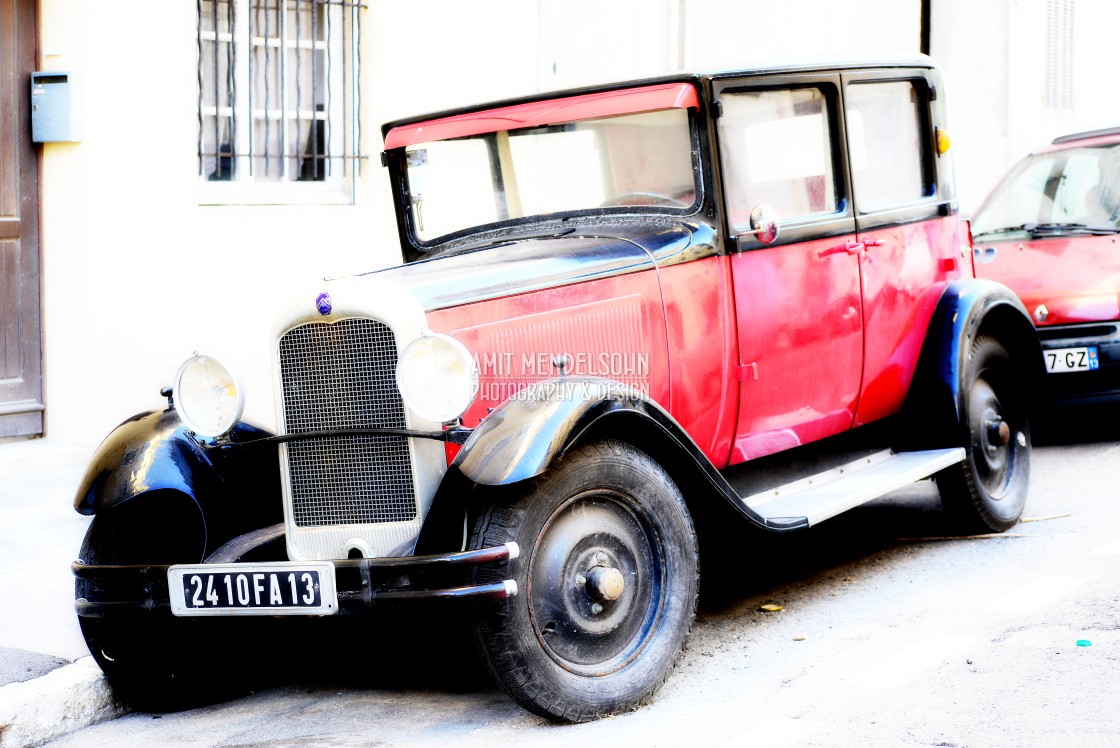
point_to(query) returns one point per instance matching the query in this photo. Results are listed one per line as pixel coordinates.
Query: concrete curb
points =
(62, 701)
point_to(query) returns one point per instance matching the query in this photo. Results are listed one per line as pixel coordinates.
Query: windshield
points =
(1072, 188)
(628, 160)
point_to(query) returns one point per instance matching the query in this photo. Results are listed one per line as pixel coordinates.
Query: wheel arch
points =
(524, 436)
(151, 466)
(967, 309)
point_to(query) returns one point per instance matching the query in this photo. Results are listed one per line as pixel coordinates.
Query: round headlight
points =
(207, 395)
(437, 377)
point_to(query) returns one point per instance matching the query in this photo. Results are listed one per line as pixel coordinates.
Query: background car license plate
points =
(1071, 359)
(301, 588)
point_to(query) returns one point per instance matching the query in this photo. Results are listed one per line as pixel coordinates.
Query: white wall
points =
(994, 57)
(137, 275)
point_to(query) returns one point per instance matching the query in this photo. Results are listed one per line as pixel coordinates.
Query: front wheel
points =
(607, 579)
(988, 490)
(154, 661)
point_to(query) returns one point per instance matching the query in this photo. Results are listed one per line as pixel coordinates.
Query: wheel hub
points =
(999, 433)
(605, 583)
(595, 585)
(992, 439)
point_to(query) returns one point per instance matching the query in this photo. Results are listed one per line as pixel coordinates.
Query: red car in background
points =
(1049, 232)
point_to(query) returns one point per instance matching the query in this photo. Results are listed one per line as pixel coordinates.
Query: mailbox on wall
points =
(53, 110)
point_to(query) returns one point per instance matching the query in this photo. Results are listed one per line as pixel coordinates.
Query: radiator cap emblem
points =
(323, 303)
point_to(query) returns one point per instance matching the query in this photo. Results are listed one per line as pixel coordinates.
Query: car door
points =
(797, 300)
(906, 225)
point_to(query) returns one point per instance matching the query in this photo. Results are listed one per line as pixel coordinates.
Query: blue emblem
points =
(323, 303)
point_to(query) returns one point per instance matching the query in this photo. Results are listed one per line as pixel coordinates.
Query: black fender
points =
(526, 434)
(152, 457)
(968, 308)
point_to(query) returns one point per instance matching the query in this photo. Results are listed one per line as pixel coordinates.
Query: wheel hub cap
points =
(605, 584)
(999, 433)
(596, 584)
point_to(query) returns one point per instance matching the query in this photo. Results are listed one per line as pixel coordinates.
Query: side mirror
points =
(765, 225)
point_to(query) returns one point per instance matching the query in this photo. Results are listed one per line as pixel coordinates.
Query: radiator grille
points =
(342, 376)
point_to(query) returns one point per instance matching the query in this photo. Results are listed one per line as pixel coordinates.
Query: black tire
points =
(607, 584)
(988, 490)
(152, 660)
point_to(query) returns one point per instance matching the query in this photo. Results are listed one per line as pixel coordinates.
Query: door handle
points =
(855, 248)
(872, 243)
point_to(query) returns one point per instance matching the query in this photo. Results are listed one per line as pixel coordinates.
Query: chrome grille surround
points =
(342, 375)
(330, 392)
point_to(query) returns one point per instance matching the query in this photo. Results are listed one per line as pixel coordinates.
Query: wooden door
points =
(21, 382)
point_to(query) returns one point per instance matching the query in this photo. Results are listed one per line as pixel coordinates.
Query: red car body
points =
(771, 349)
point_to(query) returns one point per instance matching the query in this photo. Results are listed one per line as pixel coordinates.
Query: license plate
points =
(1072, 359)
(265, 589)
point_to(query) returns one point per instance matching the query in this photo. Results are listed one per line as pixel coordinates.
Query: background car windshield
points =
(632, 160)
(1078, 185)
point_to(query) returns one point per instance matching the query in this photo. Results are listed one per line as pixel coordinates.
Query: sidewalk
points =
(49, 685)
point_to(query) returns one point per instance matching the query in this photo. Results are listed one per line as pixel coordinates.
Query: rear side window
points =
(777, 149)
(887, 144)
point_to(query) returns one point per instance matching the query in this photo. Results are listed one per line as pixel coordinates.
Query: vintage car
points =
(601, 356)
(1049, 232)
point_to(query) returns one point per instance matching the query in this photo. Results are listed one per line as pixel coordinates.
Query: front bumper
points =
(361, 584)
(1099, 385)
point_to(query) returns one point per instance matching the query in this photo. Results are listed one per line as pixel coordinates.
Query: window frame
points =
(934, 203)
(498, 173)
(343, 147)
(799, 228)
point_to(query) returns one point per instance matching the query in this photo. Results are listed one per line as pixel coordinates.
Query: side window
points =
(887, 144)
(776, 149)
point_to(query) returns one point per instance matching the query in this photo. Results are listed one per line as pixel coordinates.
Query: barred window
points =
(1059, 54)
(277, 98)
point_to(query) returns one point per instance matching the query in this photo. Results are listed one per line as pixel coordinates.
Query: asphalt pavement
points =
(49, 684)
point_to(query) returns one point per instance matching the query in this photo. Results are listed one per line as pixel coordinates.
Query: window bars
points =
(1058, 92)
(277, 90)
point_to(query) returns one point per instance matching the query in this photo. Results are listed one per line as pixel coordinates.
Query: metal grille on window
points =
(1059, 54)
(278, 90)
(288, 73)
(216, 122)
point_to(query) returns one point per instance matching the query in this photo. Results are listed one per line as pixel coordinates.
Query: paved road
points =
(888, 636)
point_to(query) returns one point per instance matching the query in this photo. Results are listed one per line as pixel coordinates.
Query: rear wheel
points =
(988, 490)
(607, 580)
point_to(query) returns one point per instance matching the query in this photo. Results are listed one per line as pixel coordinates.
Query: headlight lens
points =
(208, 396)
(437, 377)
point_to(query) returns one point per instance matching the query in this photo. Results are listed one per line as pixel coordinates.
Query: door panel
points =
(909, 236)
(903, 274)
(800, 343)
(21, 406)
(797, 302)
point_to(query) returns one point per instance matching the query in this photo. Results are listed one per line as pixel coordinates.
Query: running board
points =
(827, 494)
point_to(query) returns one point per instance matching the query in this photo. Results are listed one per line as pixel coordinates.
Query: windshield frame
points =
(538, 113)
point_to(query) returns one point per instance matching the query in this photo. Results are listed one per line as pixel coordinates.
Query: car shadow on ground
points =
(432, 648)
(763, 562)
